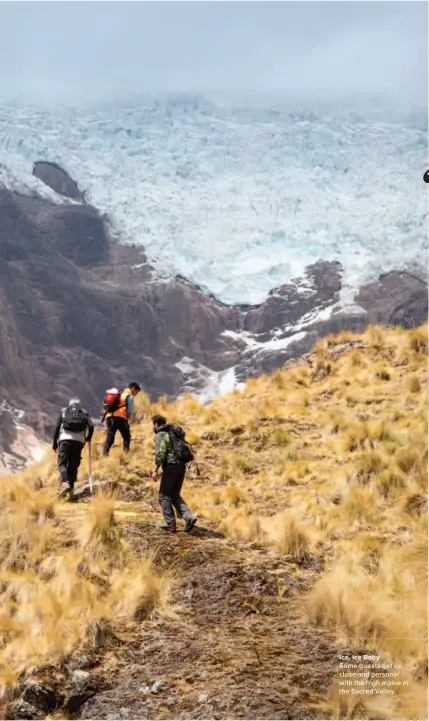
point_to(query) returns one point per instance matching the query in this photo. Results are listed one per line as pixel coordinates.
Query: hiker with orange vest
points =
(119, 408)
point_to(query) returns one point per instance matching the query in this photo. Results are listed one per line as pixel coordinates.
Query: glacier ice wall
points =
(238, 199)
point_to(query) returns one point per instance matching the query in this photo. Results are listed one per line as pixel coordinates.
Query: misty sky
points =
(91, 51)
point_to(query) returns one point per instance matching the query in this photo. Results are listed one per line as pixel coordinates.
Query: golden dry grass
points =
(66, 581)
(329, 454)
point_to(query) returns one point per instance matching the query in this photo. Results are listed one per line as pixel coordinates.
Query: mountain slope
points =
(80, 314)
(317, 478)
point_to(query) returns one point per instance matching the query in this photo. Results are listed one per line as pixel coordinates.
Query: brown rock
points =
(397, 298)
(237, 430)
(40, 696)
(83, 688)
(58, 179)
(23, 710)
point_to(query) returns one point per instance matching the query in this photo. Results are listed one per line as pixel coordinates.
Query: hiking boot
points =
(190, 524)
(166, 527)
(64, 490)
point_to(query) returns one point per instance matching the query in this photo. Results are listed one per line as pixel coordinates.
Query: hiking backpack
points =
(112, 399)
(75, 419)
(181, 448)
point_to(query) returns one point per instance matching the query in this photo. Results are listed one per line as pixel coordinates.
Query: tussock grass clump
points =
(99, 634)
(100, 533)
(370, 464)
(390, 481)
(336, 421)
(290, 536)
(299, 377)
(279, 380)
(375, 336)
(356, 359)
(367, 434)
(416, 504)
(360, 505)
(418, 340)
(333, 603)
(140, 591)
(281, 437)
(244, 463)
(241, 525)
(383, 375)
(411, 459)
(414, 384)
(233, 496)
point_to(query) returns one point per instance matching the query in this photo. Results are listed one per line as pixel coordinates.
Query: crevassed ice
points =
(238, 199)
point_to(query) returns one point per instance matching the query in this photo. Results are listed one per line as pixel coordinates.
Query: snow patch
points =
(352, 309)
(315, 316)
(291, 333)
(16, 415)
(272, 345)
(206, 385)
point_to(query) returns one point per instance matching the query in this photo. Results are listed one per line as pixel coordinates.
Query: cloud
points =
(79, 51)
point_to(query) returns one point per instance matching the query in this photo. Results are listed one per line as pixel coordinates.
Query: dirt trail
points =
(241, 647)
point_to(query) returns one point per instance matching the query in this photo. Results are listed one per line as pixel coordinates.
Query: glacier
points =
(238, 198)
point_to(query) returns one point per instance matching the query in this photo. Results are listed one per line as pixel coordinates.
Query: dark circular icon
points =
(426, 177)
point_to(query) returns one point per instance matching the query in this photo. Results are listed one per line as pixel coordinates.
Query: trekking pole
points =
(194, 460)
(90, 468)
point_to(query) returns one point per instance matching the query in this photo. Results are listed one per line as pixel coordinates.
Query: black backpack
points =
(75, 419)
(181, 448)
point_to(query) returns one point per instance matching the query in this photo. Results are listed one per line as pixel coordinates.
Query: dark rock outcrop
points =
(23, 710)
(289, 303)
(129, 700)
(41, 697)
(84, 687)
(58, 179)
(395, 299)
(31, 227)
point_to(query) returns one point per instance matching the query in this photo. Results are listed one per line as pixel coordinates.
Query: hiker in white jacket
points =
(74, 428)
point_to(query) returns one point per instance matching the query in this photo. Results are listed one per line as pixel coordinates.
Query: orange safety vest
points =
(122, 410)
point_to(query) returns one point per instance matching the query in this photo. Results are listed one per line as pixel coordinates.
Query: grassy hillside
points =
(316, 475)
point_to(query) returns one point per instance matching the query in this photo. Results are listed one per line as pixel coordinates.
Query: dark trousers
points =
(114, 424)
(69, 457)
(169, 496)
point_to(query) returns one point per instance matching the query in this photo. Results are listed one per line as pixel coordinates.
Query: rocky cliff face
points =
(79, 314)
(19, 444)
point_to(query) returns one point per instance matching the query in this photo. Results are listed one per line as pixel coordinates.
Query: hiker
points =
(74, 428)
(169, 456)
(119, 407)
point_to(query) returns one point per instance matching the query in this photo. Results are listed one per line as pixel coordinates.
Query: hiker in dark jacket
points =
(74, 428)
(173, 475)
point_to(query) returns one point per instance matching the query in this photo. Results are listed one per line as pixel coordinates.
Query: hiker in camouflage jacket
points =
(173, 475)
